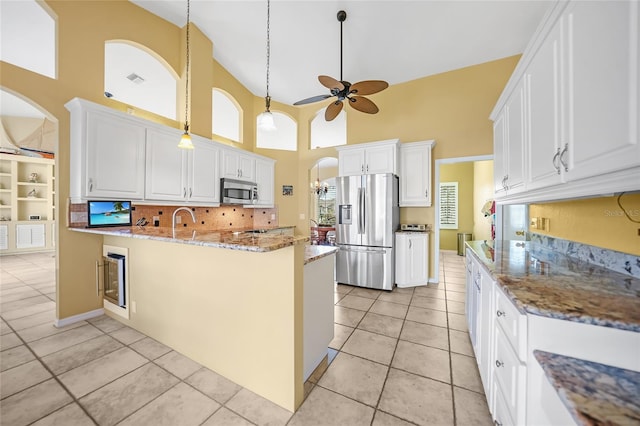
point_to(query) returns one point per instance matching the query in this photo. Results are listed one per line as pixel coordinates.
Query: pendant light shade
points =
(185, 140)
(265, 119)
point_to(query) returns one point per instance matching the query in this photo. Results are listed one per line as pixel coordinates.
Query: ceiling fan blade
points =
(368, 87)
(333, 110)
(313, 99)
(330, 82)
(363, 104)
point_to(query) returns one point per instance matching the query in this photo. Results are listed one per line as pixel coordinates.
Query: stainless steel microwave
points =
(234, 191)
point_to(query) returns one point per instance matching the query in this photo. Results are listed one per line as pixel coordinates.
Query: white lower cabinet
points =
(412, 252)
(30, 236)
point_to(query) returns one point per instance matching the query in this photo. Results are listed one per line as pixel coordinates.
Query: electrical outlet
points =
(273, 216)
(301, 216)
(178, 219)
(544, 223)
(134, 307)
(535, 223)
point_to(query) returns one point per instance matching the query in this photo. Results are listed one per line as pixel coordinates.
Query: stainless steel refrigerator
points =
(368, 216)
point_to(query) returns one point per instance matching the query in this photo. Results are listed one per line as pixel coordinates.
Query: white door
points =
(380, 159)
(30, 236)
(115, 157)
(515, 140)
(166, 166)
(247, 166)
(602, 74)
(265, 179)
(543, 94)
(203, 172)
(351, 162)
(418, 255)
(415, 175)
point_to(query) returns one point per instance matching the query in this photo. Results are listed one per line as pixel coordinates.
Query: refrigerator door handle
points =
(360, 210)
(380, 251)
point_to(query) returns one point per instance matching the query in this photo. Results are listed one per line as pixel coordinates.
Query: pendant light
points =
(185, 140)
(265, 119)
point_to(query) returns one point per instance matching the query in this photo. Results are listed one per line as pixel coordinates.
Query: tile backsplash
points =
(624, 263)
(211, 218)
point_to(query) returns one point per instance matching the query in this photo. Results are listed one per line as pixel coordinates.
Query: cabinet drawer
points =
(510, 375)
(512, 322)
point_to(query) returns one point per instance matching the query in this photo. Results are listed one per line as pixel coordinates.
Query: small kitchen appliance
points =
(234, 191)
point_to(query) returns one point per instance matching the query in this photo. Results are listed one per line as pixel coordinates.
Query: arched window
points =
(328, 133)
(284, 138)
(28, 36)
(226, 120)
(136, 77)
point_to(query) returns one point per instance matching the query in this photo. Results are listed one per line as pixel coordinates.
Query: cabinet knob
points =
(426, 193)
(497, 423)
(184, 192)
(409, 243)
(90, 185)
(499, 363)
(190, 192)
(500, 314)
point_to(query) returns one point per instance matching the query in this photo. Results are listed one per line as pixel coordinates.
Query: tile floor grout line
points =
(453, 399)
(53, 376)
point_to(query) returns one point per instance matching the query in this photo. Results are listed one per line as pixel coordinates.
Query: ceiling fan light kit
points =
(342, 89)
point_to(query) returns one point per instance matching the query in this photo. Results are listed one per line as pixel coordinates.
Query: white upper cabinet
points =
(265, 176)
(166, 166)
(237, 164)
(203, 173)
(542, 79)
(577, 87)
(602, 57)
(415, 174)
(107, 153)
(509, 137)
(368, 158)
(178, 175)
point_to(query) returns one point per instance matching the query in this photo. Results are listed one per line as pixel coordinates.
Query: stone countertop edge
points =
(613, 401)
(314, 252)
(565, 289)
(244, 242)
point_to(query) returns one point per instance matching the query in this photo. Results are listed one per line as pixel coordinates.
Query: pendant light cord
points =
(268, 98)
(341, 50)
(186, 97)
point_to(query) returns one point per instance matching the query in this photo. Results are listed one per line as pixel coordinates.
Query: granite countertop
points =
(314, 252)
(546, 283)
(595, 394)
(234, 240)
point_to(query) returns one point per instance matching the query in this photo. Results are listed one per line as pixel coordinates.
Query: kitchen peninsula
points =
(232, 301)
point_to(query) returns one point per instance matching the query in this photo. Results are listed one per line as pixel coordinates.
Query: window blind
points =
(449, 205)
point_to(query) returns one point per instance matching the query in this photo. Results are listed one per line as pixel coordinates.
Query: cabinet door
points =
(30, 236)
(265, 179)
(247, 166)
(418, 255)
(115, 157)
(380, 159)
(203, 172)
(602, 55)
(351, 162)
(4, 237)
(542, 80)
(415, 175)
(515, 140)
(166, 166)
(237, 165)
(499, 164)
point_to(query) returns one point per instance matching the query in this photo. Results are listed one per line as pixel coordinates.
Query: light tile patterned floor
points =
(398, 358)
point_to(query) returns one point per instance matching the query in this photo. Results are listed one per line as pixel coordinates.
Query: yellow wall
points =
(595, 221)
(452, 108)
(482, 192)
(254, 313)
(463, 174)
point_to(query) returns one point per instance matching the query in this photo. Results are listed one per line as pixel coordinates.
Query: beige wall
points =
(452, 108)
(596, 221)
(463, 174)
(482, 193)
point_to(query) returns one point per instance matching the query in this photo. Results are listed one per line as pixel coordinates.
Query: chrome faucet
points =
(173, 221)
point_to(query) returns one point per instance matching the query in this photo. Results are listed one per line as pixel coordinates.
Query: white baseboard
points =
(77, 318)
